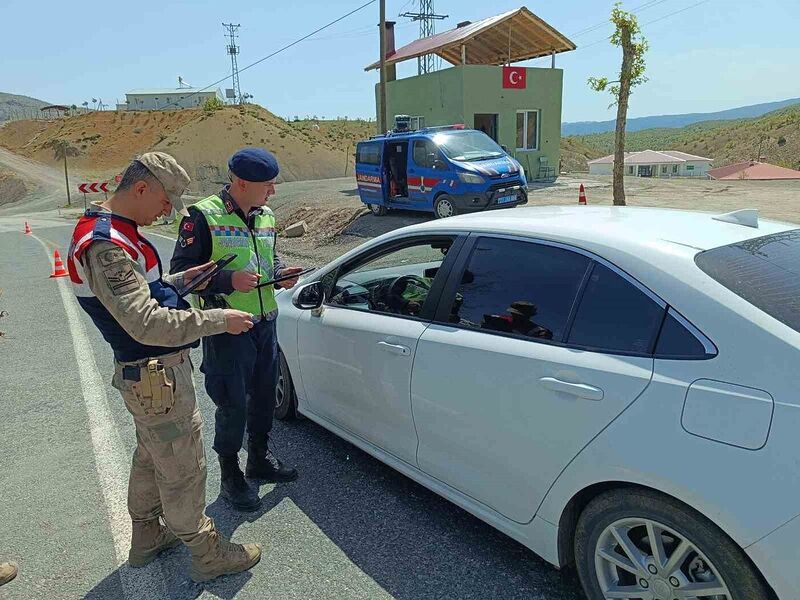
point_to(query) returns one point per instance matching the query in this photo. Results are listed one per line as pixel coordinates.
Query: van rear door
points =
(369, 172)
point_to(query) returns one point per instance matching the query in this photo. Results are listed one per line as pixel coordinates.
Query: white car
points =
(614, 387)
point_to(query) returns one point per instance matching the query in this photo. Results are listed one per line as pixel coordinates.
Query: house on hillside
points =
(653, 163)
(751, 169)
(168, 98)
(518, 107)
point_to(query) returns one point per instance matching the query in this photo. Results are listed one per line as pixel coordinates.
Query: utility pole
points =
(427, 18)
(382, 84)
(233, 50)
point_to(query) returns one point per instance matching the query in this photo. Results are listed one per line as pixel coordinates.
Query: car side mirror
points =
(309, 296)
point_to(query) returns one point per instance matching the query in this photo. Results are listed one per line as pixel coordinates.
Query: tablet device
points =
(207, 274)
(286, 277)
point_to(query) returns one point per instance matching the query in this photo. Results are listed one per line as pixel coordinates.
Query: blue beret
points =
(254, 164)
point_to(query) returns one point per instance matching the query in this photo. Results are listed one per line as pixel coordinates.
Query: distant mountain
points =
(675, 121)
(772, 136)
(14, 107)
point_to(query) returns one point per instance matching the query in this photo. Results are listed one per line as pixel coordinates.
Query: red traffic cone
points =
(27, 228)
(58, 267)
(582, 196)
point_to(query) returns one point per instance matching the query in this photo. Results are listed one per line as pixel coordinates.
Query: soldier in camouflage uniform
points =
(117, 277)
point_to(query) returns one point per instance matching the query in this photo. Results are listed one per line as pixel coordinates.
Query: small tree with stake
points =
(61, 150)
(634, 45)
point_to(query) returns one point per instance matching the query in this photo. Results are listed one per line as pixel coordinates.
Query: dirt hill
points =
(777, 133)
(201, 140)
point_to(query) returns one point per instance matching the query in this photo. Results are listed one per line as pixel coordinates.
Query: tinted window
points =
(369, 154)
(396, 282)
(425, 153)
(615, 315)
(765, 271)
(677, 341)
(518, 287)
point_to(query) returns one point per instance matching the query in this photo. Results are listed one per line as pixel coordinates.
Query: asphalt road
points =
(350, 527)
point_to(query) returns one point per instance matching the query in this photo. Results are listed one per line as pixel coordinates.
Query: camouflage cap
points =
(170, 174)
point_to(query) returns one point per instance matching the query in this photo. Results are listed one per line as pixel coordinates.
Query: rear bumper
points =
(489, 200)
(777, 556)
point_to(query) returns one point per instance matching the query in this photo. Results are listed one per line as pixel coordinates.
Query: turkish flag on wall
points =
(514, 78)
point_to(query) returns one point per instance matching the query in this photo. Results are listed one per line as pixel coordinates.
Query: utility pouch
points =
(162, 389)
(154, 390)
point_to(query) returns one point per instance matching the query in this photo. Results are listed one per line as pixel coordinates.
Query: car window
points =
(395, 282)
(615, 315)
(518, 288)
(679, 339)
(369, 154)
(765, 271)
(425, 153)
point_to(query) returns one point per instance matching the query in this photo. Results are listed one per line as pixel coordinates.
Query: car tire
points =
(378, 209)
(634, 516)
(285, 397)
(444, 207)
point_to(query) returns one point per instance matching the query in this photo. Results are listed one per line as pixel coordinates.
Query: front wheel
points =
(641, 544)
(378, 209)
(285, 397)
(444, 207)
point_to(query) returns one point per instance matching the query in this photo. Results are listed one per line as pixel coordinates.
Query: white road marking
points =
(111, 459)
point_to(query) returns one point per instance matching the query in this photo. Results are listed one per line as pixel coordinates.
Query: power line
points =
(638, 9)
(648, 23)
(283, 49)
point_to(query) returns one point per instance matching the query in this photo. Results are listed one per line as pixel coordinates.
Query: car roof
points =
(614, 232)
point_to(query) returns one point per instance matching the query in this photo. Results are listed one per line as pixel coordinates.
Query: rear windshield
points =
(369, 154)
(765, 271)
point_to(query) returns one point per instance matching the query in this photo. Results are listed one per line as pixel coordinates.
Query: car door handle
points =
(395, 348)
(581, 390)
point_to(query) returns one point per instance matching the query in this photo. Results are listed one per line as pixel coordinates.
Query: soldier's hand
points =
(289, 283)
(189, 275)
(238, 321)
(244, 281)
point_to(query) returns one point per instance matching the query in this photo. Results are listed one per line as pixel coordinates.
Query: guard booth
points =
(518, 107)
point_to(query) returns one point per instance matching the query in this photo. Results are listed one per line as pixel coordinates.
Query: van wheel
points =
(378, 209)
(641, 544)
(444, 207)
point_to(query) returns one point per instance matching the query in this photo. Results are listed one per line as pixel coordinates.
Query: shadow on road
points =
(369, 225)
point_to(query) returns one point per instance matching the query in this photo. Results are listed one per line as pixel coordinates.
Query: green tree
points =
(212, 104)
(629, 36)
(61, 150)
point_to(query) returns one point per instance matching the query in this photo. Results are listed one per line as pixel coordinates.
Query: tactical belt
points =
(132, 371)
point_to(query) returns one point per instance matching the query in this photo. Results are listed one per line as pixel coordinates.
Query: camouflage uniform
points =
(168, 474)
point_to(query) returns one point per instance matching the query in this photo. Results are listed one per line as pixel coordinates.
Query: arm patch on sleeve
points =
(118, 271)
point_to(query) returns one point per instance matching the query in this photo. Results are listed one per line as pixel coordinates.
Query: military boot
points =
(216, 557)
(234, 488)
(7, 572)
(148, 540)
(263, 465)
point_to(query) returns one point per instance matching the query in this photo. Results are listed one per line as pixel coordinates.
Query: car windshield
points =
(467, 145)
(765, 271)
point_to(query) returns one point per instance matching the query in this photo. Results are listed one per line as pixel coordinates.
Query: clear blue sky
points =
(720, 54)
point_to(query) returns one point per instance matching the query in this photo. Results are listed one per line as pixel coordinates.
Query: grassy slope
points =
(725, 141)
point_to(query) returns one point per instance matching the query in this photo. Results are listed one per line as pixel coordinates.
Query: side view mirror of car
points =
(309, 296)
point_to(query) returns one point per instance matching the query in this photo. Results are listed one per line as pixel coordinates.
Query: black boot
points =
(234, 488)
(264, 466)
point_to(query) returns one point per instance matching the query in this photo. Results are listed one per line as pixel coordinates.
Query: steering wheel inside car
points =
(394, 294)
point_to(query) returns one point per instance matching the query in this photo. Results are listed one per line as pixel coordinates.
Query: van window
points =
(425, 153)
(369, 154)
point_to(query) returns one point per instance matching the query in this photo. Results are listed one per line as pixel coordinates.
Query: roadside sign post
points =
(94, 186)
